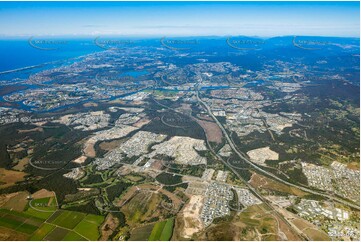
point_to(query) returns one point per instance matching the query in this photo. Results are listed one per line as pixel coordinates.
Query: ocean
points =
(21, 53)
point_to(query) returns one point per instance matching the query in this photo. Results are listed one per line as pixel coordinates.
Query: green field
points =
(94, 219)
(41, 208)
(88, 227)
(141, 233)
(18, 221)
(61, 225)
(162, 230)
(72, 236)
(167, 230)
(18, 214)
(42, 231)
(69, 219)
(57, 234)
(9, 223)
(27, 228)
(54, 216)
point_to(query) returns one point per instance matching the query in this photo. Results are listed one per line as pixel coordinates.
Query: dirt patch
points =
(354, 166)
(8, 234)
(213, 132)
(14, 201)
(37, 129)
(43, 193)
(117, 101)
(157, 164)
(89, 150)
(90, 104)
(4, 198)
(190, 215)
(286, 230)
(223, 231)
(260, 155)
(20, 166)
(9, 177)
(109, 226)
(140, 123)
(262, 182)
(316, 235)
(80, 160)
(310, 230)
(109, 145)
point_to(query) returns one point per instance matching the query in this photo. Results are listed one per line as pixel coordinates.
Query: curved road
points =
(232, 145)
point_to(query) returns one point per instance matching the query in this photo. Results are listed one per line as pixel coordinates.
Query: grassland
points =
(162, 230)
(18, 221)
(59, 225)
(42, 208)
(57, 234)
(9, 177)
(141, 233)
(142, 207)
(72, 236)
(43, 230)
(88, 227)
(266, 183)
(69, 219)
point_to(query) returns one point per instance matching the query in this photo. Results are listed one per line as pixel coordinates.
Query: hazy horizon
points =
(155, 19)
(150, 37)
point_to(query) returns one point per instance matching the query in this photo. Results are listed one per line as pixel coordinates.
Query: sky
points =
(263, 19)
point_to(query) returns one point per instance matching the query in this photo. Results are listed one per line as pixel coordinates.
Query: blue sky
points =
(180, 18)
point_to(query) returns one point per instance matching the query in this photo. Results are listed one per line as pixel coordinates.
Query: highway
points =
(232, 145)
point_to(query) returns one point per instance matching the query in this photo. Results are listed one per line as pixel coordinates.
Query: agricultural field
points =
(211, 136)
(42, 208)
(88, 227)
(18, 221)
(49, 224)
(57, 234)
(141, 233)
(14, 201)
(68, 219)
(72, 236)
(162, 231)
(43, 230)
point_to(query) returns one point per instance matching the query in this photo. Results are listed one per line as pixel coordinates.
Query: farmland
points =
(162, 230)
(89, 226)
(42, 231)
(42, 208)
(41, 220)
(68, 219)
(19, 221)
(141, 233)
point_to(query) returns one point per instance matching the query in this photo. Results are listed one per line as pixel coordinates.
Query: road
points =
(233, 146)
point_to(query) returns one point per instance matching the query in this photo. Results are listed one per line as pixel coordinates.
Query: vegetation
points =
(43, 230)
(116, 190)
(162, 230)
(169, 179)
(68, 219)
(88, 227)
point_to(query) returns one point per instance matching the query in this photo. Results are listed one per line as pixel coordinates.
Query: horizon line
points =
(150, 36)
